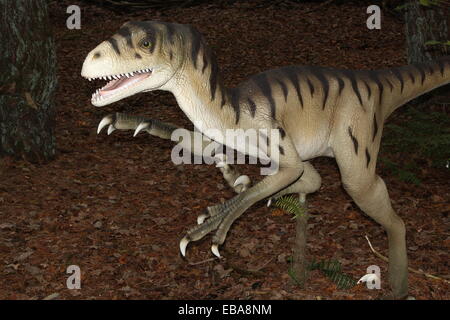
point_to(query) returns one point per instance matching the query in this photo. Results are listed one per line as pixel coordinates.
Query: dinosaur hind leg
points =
(309, 182)
(369, 192)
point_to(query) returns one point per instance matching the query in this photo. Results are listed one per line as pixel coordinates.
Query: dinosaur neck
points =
(200, 93)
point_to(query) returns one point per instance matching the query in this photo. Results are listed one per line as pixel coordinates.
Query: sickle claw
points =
(183, 244)
(269, 202)
(215, 250)
(244, 180)
(105, 121)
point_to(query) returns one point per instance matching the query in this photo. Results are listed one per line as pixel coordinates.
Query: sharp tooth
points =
(109, 77)
(132, 74)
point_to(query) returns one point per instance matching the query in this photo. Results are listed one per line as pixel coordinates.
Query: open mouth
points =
(119, 82)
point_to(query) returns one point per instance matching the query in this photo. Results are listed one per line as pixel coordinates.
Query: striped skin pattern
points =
(318, 112)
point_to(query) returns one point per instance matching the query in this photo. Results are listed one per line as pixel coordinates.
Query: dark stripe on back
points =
(235, 102)
(354, 140)
(351, 76)
(411, 74)
(341, 82)
(398, 75)
(114, 45)
(205, 61)
(213, 77)
(293, 78)
(391, 86)
(367, 157)
(263, 84)
(195, 46)
(375, 127)
(374, 77)
(421, 71)
(369, 91)
(252, 106)
(170, 31)
(318, 73)
(284, 88)
(311, 86)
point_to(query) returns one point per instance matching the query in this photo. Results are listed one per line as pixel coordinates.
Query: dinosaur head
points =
(141, 56)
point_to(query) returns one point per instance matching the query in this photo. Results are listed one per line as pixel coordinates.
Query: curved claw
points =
(244, 180)
(220, 164)
(269, 202)
(183, 244)
(221, 160)
(215, 250)
(201, 218)
(142, 126)
(111, 129)
(104, 122)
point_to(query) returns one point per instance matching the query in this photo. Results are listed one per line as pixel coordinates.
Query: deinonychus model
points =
(318, 112)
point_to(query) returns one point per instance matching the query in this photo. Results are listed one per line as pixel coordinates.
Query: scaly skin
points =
(317, 111)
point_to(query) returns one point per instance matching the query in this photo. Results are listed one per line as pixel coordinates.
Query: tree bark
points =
(425, 24)
(27, 81)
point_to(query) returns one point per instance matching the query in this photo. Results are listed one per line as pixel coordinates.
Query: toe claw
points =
(220, 164)
(215, 250)
(220, 160)
(111, 129)
(104, 122)
(183, 244)
(244, 180)
(269, 202)
(201, 218)
(142, 126)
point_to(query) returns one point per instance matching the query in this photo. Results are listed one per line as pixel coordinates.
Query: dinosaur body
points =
(317, 112)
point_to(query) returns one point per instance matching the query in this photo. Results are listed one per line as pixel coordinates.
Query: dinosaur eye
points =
(145, 44)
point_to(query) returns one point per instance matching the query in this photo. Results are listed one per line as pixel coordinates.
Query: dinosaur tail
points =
(415, 80)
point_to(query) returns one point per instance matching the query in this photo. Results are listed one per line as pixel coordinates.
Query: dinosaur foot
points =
(208, 222)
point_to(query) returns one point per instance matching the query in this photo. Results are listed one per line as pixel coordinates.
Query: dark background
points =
(117, 206)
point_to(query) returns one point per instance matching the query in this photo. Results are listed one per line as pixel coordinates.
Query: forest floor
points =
(117, 206)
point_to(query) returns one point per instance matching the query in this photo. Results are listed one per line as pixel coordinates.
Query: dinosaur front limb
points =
(122, 121)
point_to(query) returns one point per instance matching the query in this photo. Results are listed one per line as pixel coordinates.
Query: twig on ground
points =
(379, 255)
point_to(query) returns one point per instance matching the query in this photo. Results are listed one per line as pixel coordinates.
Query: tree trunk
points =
(27, 81)
(300, 262)
(425, 24)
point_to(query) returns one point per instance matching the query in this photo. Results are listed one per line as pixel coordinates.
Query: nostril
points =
(97, 55)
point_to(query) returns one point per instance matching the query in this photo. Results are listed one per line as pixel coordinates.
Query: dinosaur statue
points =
(318, 112)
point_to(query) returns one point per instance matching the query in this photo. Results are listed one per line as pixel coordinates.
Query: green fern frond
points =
(291, 204)
(333, 270)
